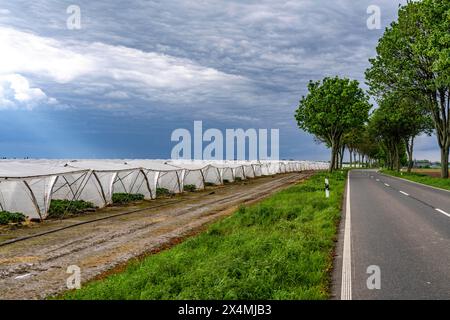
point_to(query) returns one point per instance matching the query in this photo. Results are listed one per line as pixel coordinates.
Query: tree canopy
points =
(333, 107)
(413, 59)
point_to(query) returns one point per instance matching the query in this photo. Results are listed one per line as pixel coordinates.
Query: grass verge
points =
(280, 248)
(421, 178)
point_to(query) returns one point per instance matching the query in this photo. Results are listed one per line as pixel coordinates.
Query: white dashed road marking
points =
(443, 212)
(402, 192)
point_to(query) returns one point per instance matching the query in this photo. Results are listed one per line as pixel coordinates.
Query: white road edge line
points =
(402, 192)
(346, 284)
(443, 212)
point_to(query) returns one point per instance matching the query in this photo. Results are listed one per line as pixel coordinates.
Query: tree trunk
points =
(351, 155)
(397, 158)
(444, 162)
(342, 156)
(338, 156)
(409, 143)
(391, 159)
(333, 157)
(440, 110)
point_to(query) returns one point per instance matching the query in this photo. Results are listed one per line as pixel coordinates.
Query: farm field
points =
(280, 248)
(36, 268)
(430, 172)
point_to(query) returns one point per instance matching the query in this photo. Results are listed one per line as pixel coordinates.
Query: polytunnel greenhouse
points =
(28, 186)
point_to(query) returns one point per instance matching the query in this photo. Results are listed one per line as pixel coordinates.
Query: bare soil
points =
(35, 268)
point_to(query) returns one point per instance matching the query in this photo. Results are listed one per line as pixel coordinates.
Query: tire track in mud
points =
(103, 245)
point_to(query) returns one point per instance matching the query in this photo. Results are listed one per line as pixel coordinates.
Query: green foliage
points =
(413, 60)
(124, 198)
(332, 108)
(7, 217)
(190, 188)
(61, 208)
(209, 184)
(280, 248)
(395, 124)
(163, 192)
(238, 179)
(413, 56)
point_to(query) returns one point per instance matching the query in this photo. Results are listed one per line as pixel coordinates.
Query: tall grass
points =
(280, 248)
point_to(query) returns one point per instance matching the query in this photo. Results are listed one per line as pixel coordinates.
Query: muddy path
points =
(36, 268)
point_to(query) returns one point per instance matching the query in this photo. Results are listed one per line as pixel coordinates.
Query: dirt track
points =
(36, 268)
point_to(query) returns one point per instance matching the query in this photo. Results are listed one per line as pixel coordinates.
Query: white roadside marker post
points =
(327, 188)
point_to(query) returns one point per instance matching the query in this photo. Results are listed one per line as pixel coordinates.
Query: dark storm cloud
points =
(232, 62)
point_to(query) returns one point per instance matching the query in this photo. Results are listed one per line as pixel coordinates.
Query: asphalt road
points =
(394, 241)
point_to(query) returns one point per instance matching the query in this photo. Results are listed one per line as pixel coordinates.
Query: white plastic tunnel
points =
(28, 188)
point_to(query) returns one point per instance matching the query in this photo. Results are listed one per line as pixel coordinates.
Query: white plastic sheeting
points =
(28, 186)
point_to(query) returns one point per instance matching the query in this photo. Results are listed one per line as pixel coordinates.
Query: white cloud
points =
(26, 53)
(16, 92)
(117, 95)
(151, 75)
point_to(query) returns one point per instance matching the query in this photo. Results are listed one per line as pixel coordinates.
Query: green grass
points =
(61, 208)
(124, 198)
(280, 248)
(7, 217)
(421, 178)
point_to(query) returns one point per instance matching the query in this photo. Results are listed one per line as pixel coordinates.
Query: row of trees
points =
(410, 80)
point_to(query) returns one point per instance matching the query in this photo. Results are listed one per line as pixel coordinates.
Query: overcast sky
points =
(138, 70)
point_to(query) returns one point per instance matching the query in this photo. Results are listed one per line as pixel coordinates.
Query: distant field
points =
(429, 172)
